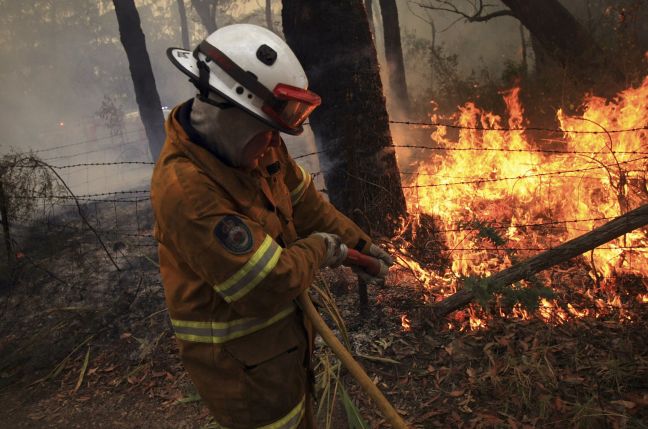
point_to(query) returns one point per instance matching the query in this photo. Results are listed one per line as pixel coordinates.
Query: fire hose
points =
(373, 267)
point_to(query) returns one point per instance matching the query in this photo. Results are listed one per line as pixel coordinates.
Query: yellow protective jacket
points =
(235, 252)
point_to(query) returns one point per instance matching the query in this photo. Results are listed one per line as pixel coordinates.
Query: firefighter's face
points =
(257, 146)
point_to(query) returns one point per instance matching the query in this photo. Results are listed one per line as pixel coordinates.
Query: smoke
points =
(60, 60)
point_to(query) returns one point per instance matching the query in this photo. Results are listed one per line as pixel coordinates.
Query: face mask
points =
(226, 131)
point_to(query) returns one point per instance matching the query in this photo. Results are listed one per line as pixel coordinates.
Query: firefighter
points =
(242, 230)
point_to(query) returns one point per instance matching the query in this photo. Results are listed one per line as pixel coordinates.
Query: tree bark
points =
(369, 7)
(183, 24)
(566, 40)
(146, 94)
(333, 42)
(206, 10)
(268, 15)
(394, 55)
(634, 219)
(6, 229)
(523, 45)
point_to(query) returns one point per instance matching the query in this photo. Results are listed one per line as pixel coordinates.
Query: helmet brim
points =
(184, 60)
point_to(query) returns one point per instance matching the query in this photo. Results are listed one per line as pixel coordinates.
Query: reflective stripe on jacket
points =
(235, 252)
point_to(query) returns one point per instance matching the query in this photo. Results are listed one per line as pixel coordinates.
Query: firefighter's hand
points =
(336, 251)
(378, 253)
(368, 278)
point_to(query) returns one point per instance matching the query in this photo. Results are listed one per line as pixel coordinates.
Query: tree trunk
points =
(523, 45)
(333, 42)
(146, 94)
(634, 219)
(369, 7)
(268, 15)
(6, 230)
(566, 40)
(183, 24)
(394, 56)
(206, 10)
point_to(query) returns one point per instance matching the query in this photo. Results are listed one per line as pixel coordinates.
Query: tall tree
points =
(369, 7)
(268, 15)
(333, 42)
(146, 94)
(182, 11)
(394, 55)
(206, 10)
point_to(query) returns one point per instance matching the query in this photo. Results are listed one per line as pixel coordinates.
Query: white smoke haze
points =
(60, 59)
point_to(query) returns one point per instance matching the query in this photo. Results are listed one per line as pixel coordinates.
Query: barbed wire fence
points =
(123, 218)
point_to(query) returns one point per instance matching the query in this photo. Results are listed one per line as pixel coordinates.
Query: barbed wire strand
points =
(511, 129)
(499, 179)
(493, 149)
(98, 139)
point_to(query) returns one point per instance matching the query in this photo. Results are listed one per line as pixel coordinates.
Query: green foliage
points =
(354, 418)
(485, 230)
(528, 297)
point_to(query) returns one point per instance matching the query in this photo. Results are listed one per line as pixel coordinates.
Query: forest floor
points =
(83, 345)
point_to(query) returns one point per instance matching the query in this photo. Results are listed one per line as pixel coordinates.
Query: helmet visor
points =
(291, 106)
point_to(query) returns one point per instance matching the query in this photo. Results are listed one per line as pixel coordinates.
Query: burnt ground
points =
(84, 345)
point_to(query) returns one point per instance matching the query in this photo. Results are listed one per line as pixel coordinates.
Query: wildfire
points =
(502, 195)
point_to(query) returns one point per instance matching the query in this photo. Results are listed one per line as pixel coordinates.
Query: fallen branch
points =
(634, 219)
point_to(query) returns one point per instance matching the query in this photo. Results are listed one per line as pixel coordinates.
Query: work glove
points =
(385, 260)
(378, 253)
(336, 251)
(368, 278)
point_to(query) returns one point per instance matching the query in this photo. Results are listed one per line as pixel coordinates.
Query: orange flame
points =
(534, 192)
(406, 323)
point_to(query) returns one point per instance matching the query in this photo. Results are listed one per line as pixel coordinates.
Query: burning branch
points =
(634, 219)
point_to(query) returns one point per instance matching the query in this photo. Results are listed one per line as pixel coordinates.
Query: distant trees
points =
(394, 55)
(182, 12)
(206, 10)
(556, 36)
(566, 40)
(268, 15)
(334, 44)
(146, 94)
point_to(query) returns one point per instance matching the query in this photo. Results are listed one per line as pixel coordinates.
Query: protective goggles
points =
(287, 105)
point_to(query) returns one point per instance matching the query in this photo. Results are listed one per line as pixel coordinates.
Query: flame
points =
(500, 196)
(406, 323)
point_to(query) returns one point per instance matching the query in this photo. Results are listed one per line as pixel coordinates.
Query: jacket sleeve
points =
(230, 251)
(313, 213)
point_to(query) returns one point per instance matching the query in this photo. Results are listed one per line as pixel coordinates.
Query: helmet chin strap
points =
(226, 131)
(202, 84)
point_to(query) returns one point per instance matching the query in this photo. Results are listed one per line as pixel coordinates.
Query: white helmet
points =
(253, 69)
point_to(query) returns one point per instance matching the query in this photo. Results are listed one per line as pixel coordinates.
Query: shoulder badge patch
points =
(234, 235)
